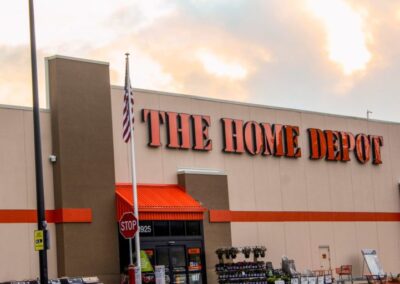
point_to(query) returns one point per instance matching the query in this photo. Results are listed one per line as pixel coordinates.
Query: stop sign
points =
(128, 225)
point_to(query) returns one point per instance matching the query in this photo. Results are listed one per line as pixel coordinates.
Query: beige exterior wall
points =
(268, 183)
(255, 183)
(18, 191)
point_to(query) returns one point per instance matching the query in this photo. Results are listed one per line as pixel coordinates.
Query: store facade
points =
(299, 183)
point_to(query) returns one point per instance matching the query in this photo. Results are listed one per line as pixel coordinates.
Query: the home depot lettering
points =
(187, 131)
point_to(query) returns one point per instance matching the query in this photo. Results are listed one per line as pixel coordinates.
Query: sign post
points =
(128, 227)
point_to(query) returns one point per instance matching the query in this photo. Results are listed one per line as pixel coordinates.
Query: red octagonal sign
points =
(128, 225)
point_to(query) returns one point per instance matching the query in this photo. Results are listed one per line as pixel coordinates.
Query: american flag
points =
(126, 134)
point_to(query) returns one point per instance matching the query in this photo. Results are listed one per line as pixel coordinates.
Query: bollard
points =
(131, 273)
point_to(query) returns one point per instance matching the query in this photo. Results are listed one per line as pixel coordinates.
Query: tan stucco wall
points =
(84, 173)
(212, 190)
(17, 190)
(269, 183)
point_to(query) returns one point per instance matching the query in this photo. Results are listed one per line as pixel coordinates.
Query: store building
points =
(211, 174)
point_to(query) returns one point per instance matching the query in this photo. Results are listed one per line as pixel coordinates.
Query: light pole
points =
(42, 224)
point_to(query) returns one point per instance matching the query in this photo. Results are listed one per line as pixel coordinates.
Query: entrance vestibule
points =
(176, 244)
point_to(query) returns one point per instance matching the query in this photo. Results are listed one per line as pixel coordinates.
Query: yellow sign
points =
(39, 240)
(145, 262)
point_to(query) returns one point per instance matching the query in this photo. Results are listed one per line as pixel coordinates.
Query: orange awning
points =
(159, 202)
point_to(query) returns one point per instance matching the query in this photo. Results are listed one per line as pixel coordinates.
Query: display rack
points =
(242, 272)
(249, 272)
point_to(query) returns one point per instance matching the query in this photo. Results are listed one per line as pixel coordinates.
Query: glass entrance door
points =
(183, 261)
(162, 258)
(194, 264)
(174, 260)
(177, 268)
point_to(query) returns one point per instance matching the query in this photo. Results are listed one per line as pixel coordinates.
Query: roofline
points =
(24, 108)
(125, 184)
(181, 95)
(57, 56)
(201, 171)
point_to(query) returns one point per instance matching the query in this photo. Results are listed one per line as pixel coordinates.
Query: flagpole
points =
(135, 203)
(134, 185)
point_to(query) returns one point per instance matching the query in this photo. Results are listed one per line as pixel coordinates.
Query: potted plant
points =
(233, 252)
(220, 253)
(256, 252)
(262, 251)
(246, 251)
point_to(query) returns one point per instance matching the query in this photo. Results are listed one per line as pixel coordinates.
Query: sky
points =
(333, 56)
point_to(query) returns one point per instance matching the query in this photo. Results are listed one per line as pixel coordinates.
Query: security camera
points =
(53, 158)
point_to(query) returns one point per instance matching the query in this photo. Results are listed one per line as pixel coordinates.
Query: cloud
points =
(345, 32)
(15, 80)
(215, 65)
(276, 50)
(178, 44)
(139, 15)
(14, 27)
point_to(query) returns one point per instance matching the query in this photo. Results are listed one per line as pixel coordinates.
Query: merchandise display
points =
(257, 271)
(254, 272)
(242, 272)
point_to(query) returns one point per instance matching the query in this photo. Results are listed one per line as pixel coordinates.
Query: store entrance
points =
(182, 260)
(174, 260)
(177, 245)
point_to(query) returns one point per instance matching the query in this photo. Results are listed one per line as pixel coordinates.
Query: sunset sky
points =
(335, 56)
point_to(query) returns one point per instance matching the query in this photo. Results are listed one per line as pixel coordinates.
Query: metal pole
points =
(134, 184)
(135, 203)
(42, 224)
(130, 252)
